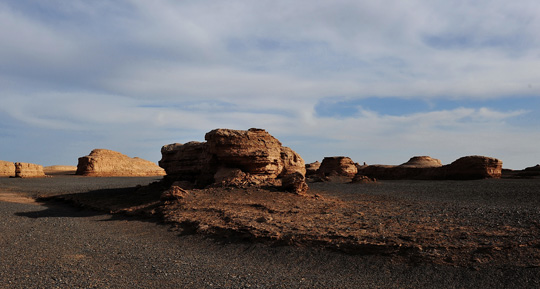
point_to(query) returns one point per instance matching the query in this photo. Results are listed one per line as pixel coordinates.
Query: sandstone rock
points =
(26, 170)
(7, 169)
(361, 179)
(473, 167)
(174, 193)
(337, 166)
(426, 168)
(107, 163)
(296, 183)
(60, 170)
(533, 169)
(233, 157)
(422, 162)
(312, 168)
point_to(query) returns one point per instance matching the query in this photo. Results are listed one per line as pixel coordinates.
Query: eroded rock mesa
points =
(7, 169)
(26, 170)
(233, 157)
(427, 168)
(107, 163)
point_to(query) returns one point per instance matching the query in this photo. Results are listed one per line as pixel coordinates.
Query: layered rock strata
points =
(232, 157)
(7, 169)
(107, 163)
(26, 170)
(426, 168)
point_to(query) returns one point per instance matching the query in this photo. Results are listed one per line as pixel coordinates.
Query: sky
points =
(377, 81)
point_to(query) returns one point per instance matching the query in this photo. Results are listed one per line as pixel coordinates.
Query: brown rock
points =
(473, 167)
(361, 179)
(233, 157)
(107, 163)
(422, 162)
(26, 170)
(60, 170)
(7, 169)
(296, 183)
(312, 168)
(338, 166)
(174, 193)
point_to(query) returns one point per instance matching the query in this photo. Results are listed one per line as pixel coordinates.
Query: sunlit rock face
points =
(107, 163)
(26, 170)
(232, 156)
(7, 169)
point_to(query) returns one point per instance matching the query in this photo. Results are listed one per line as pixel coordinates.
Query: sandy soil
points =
(457, 223)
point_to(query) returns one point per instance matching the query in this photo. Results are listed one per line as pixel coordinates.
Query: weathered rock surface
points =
(337, 166)
(312, 168)
(422, 162)
(231, 157)
(26, 170)
(7, 169)
(60, 170)
(426, 168)
(107, 163)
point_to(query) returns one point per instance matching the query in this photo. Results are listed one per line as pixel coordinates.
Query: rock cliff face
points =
(426, 168)
(26, 170)
(231, 157)
(337, 166)
(107, 163)
(7, 169)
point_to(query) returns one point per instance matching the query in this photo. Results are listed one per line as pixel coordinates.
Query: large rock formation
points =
(7, 169)
(427, 168)
(107, 163)
(26, 170)
(231, 156)
(337, 166)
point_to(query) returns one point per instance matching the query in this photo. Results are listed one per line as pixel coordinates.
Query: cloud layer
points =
(379, 82)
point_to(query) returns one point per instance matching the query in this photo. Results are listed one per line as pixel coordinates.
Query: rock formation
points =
(426, 168)
(107, 163)
(26, 170)
(60, 170)
(7, 169)
(312, 168)
(337, 166)
(229, 157)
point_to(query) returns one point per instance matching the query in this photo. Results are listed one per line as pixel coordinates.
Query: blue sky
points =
(378, 81)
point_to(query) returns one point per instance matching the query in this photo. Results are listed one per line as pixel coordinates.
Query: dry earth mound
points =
(107, 163)
(26, 170)
(337, 166)
(234, 157)
(7, 169)
(60, 170)
(422, 162)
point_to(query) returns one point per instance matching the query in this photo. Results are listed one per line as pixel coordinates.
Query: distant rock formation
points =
(26, 170)
(107, 163)
(7, 169)
(337, 166)
(60, 170)
(228, 157)
(312, 168)
(427, 168)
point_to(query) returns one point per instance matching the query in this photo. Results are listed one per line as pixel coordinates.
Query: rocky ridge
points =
(108, 163)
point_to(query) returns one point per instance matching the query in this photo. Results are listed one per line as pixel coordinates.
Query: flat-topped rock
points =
(27, 170)
(7, 169)
(60, 170)
(108, 163)
(422, 162)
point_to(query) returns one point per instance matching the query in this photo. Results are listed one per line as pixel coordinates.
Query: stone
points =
(108, 163)
(174, 193)
(422, 162)
(426, 168)
(27, 170)
(337, 166)
(472, 167)
(361, 179)
(312, 168)
(60, 170)
(296, 183)
(231, 158)
(7, 169)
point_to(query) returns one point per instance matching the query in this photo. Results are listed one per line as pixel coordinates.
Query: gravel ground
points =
(56, 246)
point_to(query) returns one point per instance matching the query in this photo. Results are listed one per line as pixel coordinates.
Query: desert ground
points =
(86, 232)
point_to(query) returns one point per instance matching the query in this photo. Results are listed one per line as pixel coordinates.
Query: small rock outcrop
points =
(312, 168)
(231, 157)
(60, 170)
(7, 169)
(26, 170)
(337, 166)
(427, 168)
(107, 163)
